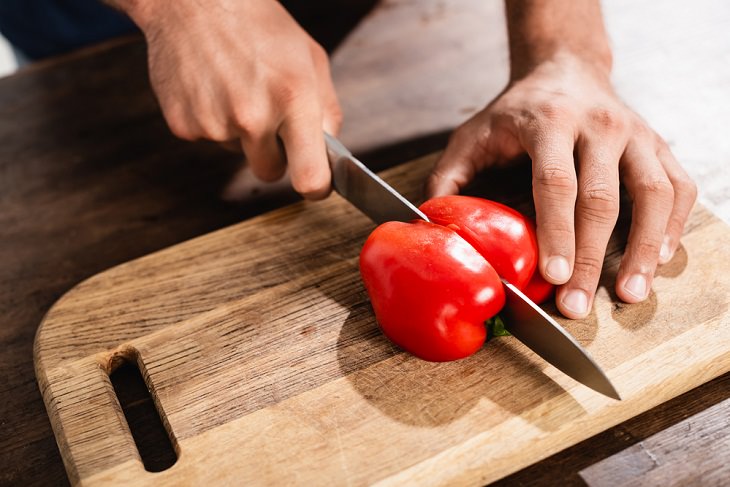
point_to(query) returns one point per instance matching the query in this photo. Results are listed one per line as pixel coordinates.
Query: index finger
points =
(458, 164)
(554, 189)
(306, 152)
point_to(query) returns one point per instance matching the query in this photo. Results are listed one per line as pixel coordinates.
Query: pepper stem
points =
(495, 327)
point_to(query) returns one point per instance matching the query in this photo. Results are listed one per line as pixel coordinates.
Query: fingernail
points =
(665, 253)
(636, 286)
(576, 301)
(558, 269)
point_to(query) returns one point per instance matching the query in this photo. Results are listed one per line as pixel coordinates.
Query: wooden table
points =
(90, 177)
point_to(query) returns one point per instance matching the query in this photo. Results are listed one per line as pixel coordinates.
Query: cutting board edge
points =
(422, 472)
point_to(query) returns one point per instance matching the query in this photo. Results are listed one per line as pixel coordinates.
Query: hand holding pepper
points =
(561, 110)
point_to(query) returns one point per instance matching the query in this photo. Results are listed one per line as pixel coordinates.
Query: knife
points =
(524, 319)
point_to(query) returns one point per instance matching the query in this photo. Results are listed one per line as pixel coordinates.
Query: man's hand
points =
(562, 112)
(243, 71)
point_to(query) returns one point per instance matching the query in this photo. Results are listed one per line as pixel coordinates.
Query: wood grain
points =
(445, 60)
(90, 176)
(259, 354)
(692, 452)
(567, 464)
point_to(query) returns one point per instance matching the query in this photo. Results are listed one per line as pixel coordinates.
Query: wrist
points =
(556, 31)
(596, 63)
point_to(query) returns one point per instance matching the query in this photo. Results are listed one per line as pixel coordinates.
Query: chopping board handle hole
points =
(143, 418)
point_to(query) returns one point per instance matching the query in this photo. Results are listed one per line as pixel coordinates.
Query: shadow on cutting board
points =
(427, 394)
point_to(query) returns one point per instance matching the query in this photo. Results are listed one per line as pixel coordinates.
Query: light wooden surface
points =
(692, 452)
(260, 348)
(415, 70)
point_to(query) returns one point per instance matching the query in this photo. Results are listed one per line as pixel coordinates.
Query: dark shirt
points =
(42, 28)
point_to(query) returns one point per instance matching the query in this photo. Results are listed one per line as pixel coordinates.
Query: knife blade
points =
(524, 319)
(365, 190)
(531, 325)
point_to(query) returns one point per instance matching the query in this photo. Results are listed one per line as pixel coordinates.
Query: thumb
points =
(464, 155)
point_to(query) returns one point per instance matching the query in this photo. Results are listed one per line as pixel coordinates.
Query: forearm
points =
(137, 10)
(546, 30)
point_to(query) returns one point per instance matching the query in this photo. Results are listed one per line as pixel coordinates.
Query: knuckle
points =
(319, 54)
(659, 188)
(688, 187)
(598, 216)
(216, 132)
(251, 123)
(640, 130)
(661, 144)
(599, 203)
(560, 231)
(646, 248)
(294, 86)
(287, 93)
(556, 237)
(599, 194)
(177, 122)
(588, 260)
(554, 111)
(553, 172)
(482, 140)
(676, 224)
(182, 130)
(606, 119)
(556, 176)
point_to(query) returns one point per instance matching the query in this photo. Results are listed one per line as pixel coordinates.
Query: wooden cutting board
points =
(262, 353)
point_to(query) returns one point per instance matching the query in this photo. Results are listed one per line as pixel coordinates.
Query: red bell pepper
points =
(431, 290)
(502, 235)
(434, 285)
